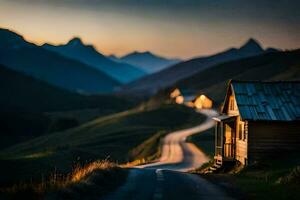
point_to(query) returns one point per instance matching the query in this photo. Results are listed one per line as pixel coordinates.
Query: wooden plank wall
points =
(271, 138)
(241, 144)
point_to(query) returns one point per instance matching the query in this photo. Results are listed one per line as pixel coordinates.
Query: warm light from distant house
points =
(179, 100)
(175, 93)
(203, 97)
(203, 102)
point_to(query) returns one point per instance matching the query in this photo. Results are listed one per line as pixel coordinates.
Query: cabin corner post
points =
(246, 127)
(216, 138)
(222, 138)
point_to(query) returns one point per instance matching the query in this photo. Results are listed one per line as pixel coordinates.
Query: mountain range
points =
(275, 66)
(146, 61)
(152, 83)
(28, 58)
(87, 54)
(79, 67)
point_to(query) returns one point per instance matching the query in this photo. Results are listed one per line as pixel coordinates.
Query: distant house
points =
(203, 101)
(258, 119)
(190, 99)
(182, 96)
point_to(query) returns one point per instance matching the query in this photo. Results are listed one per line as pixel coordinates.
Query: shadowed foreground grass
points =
(276, 177)
(90, 181)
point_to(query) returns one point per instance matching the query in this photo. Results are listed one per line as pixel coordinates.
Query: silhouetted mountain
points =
(270, 66)
(52, 67)
(152, 83)
(147, 61)
(272, 50)
(113, 58)
(87, 54)
(251, 47)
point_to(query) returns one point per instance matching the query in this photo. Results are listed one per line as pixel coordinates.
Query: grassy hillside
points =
(84, 182)
(20, 92)
(271, 66)
(24, 101)
(112, 136)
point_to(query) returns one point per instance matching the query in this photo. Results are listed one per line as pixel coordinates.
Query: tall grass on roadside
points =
(59, 182)
(80, 172)
(146, 152)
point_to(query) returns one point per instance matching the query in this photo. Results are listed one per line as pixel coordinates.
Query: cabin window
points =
(231, 104)
(240, 131)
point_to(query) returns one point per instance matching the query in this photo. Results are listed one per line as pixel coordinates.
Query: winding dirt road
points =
(177, 154)
(166, 179)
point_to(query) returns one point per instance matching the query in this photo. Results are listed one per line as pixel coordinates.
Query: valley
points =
(78, 124)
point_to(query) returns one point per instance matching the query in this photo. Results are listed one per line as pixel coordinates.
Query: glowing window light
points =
(203, 102)
(179, 100)
(175, 93)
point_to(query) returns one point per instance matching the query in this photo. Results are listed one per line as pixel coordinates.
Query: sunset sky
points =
(182, 29)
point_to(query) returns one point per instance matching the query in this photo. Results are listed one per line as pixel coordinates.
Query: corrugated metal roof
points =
(271, 101)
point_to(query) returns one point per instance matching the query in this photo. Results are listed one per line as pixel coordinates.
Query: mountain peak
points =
(75, 41)
(140, 53)
(10, 38)
(252, 45)
(146, 52)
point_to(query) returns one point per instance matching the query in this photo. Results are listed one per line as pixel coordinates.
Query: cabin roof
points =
(267, 101)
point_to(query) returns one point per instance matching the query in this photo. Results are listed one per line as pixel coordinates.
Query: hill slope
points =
(51, 67)
(75, 49)
(152, 83)
(148, 61)
(114, 136)
(21, 92)
(24, 100)
(270, 66)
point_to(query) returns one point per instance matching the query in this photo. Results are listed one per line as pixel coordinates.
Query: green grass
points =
(256, 181)
(113, 136)
(261, 180)
(149, 150)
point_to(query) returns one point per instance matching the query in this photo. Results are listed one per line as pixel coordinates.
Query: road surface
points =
(166, 178)
(179, 155)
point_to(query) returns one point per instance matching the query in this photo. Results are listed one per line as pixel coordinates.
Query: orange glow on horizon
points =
(119, 31)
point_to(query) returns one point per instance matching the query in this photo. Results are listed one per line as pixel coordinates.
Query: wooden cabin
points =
(258, 119)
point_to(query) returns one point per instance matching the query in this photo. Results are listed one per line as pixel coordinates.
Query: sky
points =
(171, 28)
